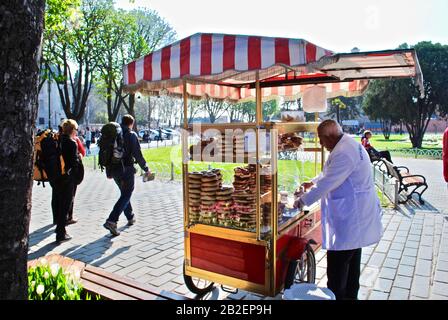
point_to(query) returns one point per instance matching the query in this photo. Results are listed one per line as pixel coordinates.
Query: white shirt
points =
(88, 135)
(351, 210)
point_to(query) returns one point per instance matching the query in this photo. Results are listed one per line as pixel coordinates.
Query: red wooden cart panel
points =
(282, 245)
(235, 259)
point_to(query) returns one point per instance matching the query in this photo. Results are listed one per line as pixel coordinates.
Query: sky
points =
(335, 25)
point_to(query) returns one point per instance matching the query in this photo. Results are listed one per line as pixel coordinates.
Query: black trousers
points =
(54, 201)
(343, 271)
(64, 188)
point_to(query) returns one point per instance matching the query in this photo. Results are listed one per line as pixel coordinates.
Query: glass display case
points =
(236, 171)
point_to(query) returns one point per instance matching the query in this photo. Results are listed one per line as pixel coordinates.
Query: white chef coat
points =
(351, 210)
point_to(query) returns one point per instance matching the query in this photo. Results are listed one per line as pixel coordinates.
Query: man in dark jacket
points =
(123, 174)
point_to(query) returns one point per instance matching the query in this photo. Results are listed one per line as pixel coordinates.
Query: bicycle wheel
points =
(302, 270)
(197, 285)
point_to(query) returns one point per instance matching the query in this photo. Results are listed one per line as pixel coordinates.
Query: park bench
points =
(109, 286)
(406, 180)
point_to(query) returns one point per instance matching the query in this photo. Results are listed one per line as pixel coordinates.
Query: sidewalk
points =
(411, 262)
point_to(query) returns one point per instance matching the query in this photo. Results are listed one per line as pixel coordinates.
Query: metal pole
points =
(172, 171)
(49, 103)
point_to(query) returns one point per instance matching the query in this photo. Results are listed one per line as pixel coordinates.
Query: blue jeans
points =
(124, 178)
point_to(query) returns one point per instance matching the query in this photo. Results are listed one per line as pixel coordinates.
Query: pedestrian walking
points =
(65, 184)
(123, 174)
(88, 138)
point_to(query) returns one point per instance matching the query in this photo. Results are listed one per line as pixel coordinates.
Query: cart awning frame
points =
(227, 67)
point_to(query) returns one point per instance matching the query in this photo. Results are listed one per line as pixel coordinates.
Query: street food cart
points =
(240, 227)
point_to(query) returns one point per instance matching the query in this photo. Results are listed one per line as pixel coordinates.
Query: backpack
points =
(111, 146)
(48, 163)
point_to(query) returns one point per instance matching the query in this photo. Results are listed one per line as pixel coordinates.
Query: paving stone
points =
(442, 266)
(427, 241)
(425, 253)
(389, 235)
(440, 288)
(369, 276)
(363, 293)
(397, 246)
(131, 268)
(398, 239)
(395, 254)
(402, 282)
(162, 279)
(128, 262)
(149, 253)
(402, 234)
(169, 286)
(377, 295)
(423, 268)
(398, 294)
(441, 276)
(438, 297)
(383, 285)
(415, 231)
(391, 263)
(410, 252)
(420, 287)
(383, 247)
(404, 270)
(443, 256)
(408, 261)
(161, 270)
(320, 272)
(428, 231)
(388, 273)
(412, 244)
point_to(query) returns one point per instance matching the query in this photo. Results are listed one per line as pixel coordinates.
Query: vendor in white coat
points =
(351, 211)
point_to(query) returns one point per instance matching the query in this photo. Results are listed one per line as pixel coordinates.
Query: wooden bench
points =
(109, 286)
(406, 180)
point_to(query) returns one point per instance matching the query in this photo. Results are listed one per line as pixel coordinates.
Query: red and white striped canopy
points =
(226, 67)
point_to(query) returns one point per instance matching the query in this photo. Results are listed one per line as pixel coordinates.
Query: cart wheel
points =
(197, 285)
(302, 270)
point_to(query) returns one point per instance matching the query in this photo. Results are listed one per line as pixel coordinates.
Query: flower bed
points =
(48, 280)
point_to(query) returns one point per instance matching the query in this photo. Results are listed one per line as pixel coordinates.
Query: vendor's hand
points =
(298, 204)
(307, 185)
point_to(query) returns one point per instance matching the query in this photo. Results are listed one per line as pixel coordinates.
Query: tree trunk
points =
(21, 24)
(417, 140)
(387, 128)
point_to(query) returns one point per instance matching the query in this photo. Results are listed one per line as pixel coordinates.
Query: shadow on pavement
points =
(91, 252)
(42, 251)
(40, 234)
(412, 206)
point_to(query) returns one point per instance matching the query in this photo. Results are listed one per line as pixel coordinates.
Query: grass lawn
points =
(291, 173)
(399, 142)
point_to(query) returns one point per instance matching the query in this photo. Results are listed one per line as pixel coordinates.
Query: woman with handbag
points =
(65, 184)
(81, 154)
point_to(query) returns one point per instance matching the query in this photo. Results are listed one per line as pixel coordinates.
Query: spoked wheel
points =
(302, 270)
(197, 285)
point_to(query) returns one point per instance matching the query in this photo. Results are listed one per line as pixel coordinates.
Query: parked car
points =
(172, 132)
(149, 135)
(167, 134)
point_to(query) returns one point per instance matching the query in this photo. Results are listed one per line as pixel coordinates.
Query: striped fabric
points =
(220, 60)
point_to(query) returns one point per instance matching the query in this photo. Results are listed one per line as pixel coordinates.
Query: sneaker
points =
(132, 221)
(112, 227)
(65, 238)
